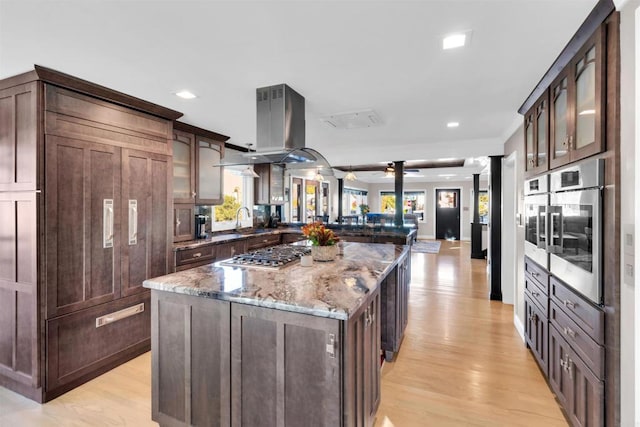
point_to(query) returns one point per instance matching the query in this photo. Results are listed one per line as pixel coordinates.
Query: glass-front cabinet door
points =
(577, 105)
(536, 126)
(183, 170)
(588, 99)
(560, 121)
(209, 153)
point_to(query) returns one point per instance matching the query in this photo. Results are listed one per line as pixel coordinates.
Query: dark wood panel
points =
(76, 348)
(145, 178)
(72, 127)
(282, 366)
(195, 331)
(583, 345)
(558, 375)
(254, 385)
(210, 362)
(84, 86)
(18, 138)
(587, 407)
(184, 142)
(170, 379)
(201, 253)
(309, 386)
(536, 330)
(228, 250)
(183, 222)
(8, 322)
(80, 271)
(611, 227)
(589, 317)
(184, 127)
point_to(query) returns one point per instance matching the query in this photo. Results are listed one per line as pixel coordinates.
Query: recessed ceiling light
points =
(453, 41)
(447, 159)
(453, 124)
(586, 112)
(446, 175)
(185, 94)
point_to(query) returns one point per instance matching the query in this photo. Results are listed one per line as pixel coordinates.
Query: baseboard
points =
(519, 326)
(426, 237)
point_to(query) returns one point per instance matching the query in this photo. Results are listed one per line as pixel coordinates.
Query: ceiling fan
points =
(390, 172)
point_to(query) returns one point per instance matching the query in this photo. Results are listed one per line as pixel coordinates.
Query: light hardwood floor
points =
(462, 363)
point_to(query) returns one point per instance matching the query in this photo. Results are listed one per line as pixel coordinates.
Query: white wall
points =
(515, 245)
(427, 229)
(508, 265)
(630, 207)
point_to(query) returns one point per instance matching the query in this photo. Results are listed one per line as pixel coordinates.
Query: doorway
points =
(448, 213)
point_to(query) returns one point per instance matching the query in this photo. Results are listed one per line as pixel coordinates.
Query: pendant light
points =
(250, 172)
(319, 176)
(350, 176)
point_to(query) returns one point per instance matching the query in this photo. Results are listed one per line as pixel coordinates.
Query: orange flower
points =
(319, 234)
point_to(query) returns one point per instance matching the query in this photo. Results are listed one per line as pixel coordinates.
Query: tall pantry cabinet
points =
(85, 202)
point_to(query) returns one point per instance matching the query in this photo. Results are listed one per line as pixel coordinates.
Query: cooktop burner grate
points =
(273, 257)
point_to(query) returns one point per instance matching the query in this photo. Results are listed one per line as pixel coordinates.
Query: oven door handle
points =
(540, 217)
(552, 248)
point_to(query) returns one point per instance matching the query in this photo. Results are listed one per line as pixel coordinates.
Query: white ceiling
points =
(341, 56)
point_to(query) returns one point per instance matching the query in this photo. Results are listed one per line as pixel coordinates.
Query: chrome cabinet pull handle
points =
(196, 255)
(568, 331)
(107, 223)
(569, 304)
(133, 222)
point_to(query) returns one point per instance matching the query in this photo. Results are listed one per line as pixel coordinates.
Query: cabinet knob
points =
(535, 294)
(568, 331)
(534, 274)
(193, 194)
(197, 255)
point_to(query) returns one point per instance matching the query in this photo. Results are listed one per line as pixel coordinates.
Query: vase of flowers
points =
(323, 241)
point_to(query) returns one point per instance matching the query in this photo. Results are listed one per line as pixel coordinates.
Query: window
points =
(412, 203)
(237, 192)
(351, 201)
(483, 207)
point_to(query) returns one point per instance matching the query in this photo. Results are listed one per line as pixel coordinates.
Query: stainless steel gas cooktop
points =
(272, 258)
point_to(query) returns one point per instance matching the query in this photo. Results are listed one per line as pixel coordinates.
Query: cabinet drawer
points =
(263, 241)
(538, 274)
(291, 237)
(200, 254)
(586, 315)
(78, 349)
(228, 250)
(590, 352)
(534, 292)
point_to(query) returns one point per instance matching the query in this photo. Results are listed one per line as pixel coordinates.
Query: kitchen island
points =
(286, 347)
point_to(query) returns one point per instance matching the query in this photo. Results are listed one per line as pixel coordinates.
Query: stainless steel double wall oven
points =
(563, 226)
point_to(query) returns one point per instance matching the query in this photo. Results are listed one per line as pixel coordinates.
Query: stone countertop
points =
(333, 289)
(221, 238)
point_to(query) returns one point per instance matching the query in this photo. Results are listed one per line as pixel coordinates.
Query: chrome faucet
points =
(238, 215)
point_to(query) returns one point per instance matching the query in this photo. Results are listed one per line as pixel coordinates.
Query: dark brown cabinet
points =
(197, 175)
(86, 201)
(536, 126)
(394, 308)
(579, 391)
(536, 331)
(269, 187)
(192, 377)
(221, 363)
(577, 105)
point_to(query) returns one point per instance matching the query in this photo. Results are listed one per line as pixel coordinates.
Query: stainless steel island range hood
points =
(280, 123)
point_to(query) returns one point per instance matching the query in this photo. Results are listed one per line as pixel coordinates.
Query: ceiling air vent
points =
(352, 120)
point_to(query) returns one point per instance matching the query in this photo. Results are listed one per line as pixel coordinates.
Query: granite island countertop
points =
(333, 289)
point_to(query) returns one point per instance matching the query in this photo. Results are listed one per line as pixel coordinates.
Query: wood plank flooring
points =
(462, 363)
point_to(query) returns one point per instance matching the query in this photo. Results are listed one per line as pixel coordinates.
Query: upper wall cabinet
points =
(269, 189)
(209, 153)
(197, 174)
(536, 127)
(576, 106)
